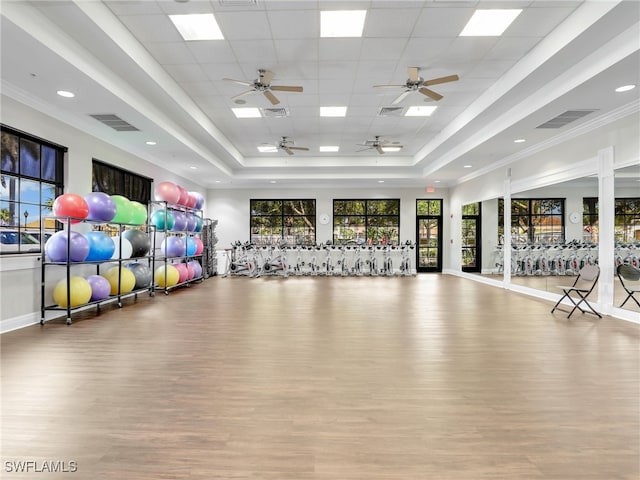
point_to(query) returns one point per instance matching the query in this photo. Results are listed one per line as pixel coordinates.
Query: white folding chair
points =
(578, 292)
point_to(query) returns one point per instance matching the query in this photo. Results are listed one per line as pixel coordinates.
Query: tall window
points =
(590, 224)
(366, 221)
(31, 177)
(118, 181)
(289, 221)
(534, 220)
(627, 218)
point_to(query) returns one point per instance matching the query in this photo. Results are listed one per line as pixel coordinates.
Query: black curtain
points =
(117, 181)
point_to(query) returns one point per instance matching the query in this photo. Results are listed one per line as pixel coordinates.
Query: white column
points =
(506, 248)
(606, 221)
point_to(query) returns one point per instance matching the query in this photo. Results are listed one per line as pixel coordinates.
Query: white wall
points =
(20, 274)
(231, 208)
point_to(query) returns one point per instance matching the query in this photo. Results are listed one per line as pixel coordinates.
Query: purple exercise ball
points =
(100, 287)
(180, 221)
(192, 222)
(197, 268)
(56, 247)
(101, 207)
(173, 247)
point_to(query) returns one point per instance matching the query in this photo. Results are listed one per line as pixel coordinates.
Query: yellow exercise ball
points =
(79, 292)
(127, 280)
(172, 276)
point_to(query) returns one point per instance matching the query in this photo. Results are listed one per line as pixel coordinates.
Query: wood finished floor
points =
(428, 377)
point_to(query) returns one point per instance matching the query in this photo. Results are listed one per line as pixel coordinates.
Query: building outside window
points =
(292, 221)
(31, 177)
(366, 221)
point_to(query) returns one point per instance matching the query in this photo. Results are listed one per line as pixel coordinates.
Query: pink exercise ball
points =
(167, 192)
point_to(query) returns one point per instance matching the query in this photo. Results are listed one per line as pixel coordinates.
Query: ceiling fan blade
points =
(266, 76)
(271, 97)
(430, 93)
(363, 149)
(284, 88)
(379, 149)
(288, 150)
(414, 76)
(243, 94)
(246, 84)
(436, 81)
(305, 149)
(389, 86)
(401, 97)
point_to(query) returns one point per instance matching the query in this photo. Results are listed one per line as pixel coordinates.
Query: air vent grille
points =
(275, 112)
(115, 122)
(390, 111)
(565, 118)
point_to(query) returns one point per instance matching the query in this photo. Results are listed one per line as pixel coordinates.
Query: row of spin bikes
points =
(326, 259)
(563, 258)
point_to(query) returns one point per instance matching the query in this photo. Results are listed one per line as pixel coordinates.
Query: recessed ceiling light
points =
(420, 111)
(272, 181)
(66, 94)
(380, 181)
(436, 181)
(519, 140)
(329, 148)
(391, 149)
(468, 166)
(193, 167)
(342, 23)
(333, 111)
(150, 142)
(267, 149)
(249, 112)
(625, 88)
(217, 181)
(197, 26)
(489, 23)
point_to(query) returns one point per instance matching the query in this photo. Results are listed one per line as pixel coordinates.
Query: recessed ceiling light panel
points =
(249, 112)
(342, 23)
(489, 23)
(65, 93)
(333, 111)
(197, 26)
(267, 149)
(420, 111)
(329, 148)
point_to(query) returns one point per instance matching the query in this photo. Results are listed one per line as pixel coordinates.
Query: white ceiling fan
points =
(415, 83)
(382, 146)
(262, 84)
(288, 146)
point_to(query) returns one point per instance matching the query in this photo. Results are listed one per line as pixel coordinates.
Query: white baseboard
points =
(21, 321)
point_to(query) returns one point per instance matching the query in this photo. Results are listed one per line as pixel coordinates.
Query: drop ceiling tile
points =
(296, 24)
(469, 49)
(151, 28)
(173, 53)
(490, 69)
(339, 49)
(382, 48)
(217, 71)
(511, 48)
(199, 89)
(424, 51)
(303, 50)
(246, 25)
(442, 22)
(390, 22)
(337, 69)
(329, 86)
(212, 51)
(254, 51)
(134, 8)
(537, 22)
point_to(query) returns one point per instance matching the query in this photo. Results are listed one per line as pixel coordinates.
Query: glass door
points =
(471, 259)
(428, 234)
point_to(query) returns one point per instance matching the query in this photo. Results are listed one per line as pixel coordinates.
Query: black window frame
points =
(370, 222)
(50, 156)
(624, 223)
(283, 220)
(114, 180)
(524, 221)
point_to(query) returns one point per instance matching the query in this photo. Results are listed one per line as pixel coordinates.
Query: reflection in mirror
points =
(554, 233)
(471, 237)
(627, 238)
